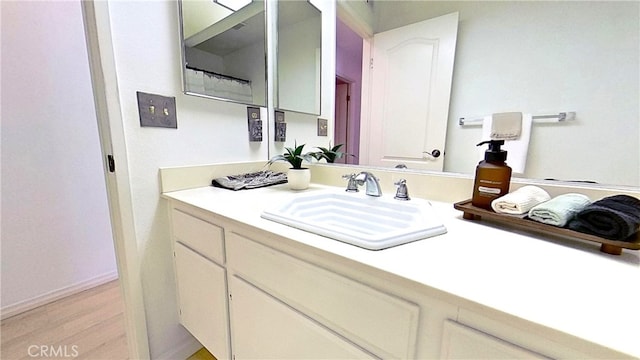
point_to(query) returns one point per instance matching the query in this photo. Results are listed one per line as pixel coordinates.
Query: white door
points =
(202, 297)
(410, 87)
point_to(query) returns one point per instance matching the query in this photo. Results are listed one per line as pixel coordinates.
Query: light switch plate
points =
(322, 127)
(157, 110)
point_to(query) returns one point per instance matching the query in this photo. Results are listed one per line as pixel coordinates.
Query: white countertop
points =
(565, 285)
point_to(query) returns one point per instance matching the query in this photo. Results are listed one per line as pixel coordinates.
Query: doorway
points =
(349, 55)
(342, 119)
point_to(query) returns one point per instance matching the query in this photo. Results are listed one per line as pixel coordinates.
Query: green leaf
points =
(294, 156)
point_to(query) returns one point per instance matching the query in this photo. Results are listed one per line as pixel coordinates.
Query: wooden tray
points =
(613, 247)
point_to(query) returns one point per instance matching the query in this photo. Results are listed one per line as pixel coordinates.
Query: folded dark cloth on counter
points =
(250, 180)
(615, 218)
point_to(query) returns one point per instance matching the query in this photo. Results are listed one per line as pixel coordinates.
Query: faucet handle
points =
(402, 193)
(352, 185)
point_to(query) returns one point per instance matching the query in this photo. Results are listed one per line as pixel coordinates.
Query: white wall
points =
(146, 48)
(145, 41)
(56, 233)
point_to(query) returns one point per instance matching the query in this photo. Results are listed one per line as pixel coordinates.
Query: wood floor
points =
(201, 354)
(87, 325)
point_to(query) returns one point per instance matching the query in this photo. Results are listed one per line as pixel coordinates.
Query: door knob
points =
(434, 154)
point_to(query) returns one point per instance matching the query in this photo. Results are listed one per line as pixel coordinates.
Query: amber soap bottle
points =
(493, 175)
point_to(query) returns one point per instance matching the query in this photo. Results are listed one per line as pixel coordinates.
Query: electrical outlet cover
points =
(255, 130)
(322, 127)
(281, 132)
(157, 110)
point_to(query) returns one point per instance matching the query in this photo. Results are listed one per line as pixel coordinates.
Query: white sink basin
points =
(372, 223)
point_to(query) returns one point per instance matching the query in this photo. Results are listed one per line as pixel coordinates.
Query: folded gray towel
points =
(250, 180)
(559, 210)
(615, 217)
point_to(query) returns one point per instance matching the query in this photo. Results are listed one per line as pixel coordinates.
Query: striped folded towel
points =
(250, 180)
(520, 201)
(559, 210)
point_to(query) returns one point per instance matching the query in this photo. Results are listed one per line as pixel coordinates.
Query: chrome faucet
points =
(402, 193)
(372, 186)
(352, 185)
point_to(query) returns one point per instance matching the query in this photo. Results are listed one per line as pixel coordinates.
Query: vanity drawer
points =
(200, 235)
(384, 324)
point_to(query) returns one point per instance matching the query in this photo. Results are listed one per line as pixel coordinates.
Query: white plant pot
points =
(299, 179)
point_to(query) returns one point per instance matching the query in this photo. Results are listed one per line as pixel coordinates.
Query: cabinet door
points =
(382, 323)
(462, 342)
(202, 298)
(265, 328)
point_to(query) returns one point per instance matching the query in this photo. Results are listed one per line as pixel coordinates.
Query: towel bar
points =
(563, 116)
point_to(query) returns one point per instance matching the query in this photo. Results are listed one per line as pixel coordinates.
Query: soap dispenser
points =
(493, 176)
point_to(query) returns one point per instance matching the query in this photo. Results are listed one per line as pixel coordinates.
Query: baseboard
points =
(29, 304)
(181, 351)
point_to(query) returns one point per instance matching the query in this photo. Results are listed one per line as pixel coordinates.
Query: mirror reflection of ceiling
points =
(247, 32)
(217, 30)
(224, 50)
(292, 12)
(200, 15)
(544, 57)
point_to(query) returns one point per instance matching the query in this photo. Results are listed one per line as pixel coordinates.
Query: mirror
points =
(297, 85)
(542, 58)
(223, 44)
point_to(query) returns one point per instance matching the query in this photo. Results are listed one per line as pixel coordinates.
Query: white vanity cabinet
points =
(247, 293)
(381, 324)
(201, 281)
(490, 334)
(463, 342)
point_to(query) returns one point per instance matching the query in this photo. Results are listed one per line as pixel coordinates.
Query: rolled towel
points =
(559, 210)
(250, 180)
(520, 201)
(614, 217)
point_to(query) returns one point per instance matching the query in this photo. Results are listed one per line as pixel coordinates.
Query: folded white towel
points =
(520, 201)
(559, 210)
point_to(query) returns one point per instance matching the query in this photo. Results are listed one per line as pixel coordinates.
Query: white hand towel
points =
(559, 210)
(516, 149)
(520, 201)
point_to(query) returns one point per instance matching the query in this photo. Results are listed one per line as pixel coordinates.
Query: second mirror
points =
(297, 85)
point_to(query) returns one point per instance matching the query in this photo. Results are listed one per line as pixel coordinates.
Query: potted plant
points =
(298, 177)
(330, 154)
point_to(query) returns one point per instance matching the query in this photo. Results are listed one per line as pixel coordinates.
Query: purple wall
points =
(349, 68)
